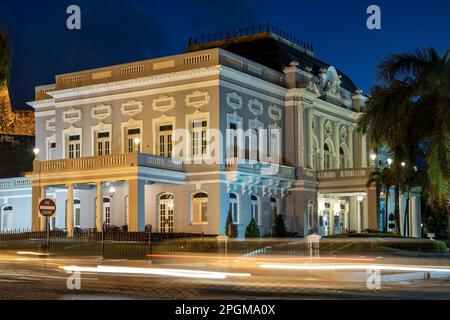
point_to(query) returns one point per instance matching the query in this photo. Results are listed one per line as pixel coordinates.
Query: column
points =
(371, 209)
(359, 220)
(69, 212)
(136, 198)
(99, 208)
(351, 130)
(363, 151)
(301, 137)
(321, 142)
(310, 133)
(337, 126)
(37, 193)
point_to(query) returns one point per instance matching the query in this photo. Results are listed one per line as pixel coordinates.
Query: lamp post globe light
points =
(137, 143)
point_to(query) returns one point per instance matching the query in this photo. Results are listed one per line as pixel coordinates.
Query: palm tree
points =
(383, 179)
(409, 113)
(5, 57)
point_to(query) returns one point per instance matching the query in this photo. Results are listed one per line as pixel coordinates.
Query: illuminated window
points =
(200, 208)
(234, 208)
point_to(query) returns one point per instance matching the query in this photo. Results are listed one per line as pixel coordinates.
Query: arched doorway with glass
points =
(166, 217)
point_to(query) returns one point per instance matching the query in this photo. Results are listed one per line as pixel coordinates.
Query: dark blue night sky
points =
(119, 31)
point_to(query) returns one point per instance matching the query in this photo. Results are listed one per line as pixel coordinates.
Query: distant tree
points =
(279, 229)
(252, 230)
(383, 179)
(229, 225)
(5, 57)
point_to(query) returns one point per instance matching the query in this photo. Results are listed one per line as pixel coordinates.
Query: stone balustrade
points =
(112, 161)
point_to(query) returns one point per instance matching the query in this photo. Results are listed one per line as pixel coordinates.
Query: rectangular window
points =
(200, 211)
(165, 141)
(103, 144)
(52, 151)
(74, 148)
(199, 137)
(132, 134)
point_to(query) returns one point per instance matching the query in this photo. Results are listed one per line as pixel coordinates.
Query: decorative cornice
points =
(137, 82)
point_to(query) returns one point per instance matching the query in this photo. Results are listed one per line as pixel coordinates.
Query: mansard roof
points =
(268, 46)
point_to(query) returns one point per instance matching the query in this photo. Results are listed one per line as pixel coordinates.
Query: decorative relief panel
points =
(256, 107)
(50, 124)
(101, 112)
(164, 103)
(235, 101)
(72, 115)
(343, 133)
(275, 113)
(197, 99)
(132, 108)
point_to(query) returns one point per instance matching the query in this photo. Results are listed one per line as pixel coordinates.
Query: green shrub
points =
(252, 230)
(279, 230)
(441, 246)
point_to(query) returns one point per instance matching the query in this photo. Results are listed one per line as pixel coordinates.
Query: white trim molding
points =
(197, 99)
(256, 107)
(72, 115)
(163, 103)
(235, 101)
(275, 113)
(131, 108)
(50, 124)
(101, 112)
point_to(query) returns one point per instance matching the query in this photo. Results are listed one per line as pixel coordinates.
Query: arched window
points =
(315, 155)
(234, 208)
(326, 157)
(166, 205)
(342, 158)
(200, 208)
(273, 209)
(254, 205)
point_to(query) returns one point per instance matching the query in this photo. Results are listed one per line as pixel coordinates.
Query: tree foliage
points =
(252, 230)
(409, 112)
(5, 56)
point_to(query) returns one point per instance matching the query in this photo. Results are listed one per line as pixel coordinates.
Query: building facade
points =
(182, 142)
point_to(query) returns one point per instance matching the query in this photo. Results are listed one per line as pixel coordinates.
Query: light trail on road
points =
(315, 267)
(157, 271)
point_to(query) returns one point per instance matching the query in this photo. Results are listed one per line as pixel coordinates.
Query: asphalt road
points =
(28, 276)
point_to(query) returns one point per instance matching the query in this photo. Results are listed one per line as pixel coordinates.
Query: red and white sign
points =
(47, 208)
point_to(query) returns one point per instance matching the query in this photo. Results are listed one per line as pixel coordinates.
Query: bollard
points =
(222, 245)
(313, 241)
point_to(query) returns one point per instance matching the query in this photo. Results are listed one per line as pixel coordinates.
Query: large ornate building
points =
(107, 139)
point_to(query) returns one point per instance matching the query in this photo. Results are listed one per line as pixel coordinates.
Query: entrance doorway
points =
(166, 222)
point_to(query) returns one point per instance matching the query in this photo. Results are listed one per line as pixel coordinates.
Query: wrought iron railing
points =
(249, 31)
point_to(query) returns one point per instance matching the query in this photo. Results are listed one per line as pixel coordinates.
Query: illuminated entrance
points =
(340, 213)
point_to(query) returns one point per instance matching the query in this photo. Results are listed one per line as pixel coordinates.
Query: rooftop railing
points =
(249, 31)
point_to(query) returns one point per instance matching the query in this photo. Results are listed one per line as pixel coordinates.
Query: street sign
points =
(47, 208)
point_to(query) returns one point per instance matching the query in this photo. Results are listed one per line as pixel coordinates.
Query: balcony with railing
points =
(15, 183)
(259, 168)
(107, 162)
